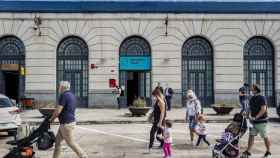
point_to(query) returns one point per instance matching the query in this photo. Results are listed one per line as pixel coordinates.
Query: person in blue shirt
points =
(65, 112)
(259, 119)
(168, 92)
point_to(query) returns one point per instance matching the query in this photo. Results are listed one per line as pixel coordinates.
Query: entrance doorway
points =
(10, 84)
(135, 69)
(137, 84)
(132, 87)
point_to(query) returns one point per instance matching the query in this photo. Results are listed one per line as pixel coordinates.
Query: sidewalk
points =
(116, 116)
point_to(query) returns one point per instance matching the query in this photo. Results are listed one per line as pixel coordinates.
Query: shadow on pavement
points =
(183, 147)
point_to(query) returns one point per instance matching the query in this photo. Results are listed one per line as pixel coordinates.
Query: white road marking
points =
(112, 134)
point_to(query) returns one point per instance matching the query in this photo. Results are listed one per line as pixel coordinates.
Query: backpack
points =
(170, 91)
(46, 140)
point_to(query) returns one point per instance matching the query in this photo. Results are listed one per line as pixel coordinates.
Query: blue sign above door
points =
(135, 63)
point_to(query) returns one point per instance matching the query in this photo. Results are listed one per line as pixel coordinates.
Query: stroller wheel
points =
(214, 155)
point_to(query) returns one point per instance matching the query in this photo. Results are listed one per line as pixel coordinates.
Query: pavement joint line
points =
(112, 134)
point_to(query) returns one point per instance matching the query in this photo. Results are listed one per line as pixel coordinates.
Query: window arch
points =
(197, 69)
(259, 65)
(73, 47)
(12, 50)
(135, 46)
(72, 66)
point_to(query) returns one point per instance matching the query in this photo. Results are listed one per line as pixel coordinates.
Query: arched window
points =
(12, 51)
(72, 66)
(197, 69)
(259, 65)
(135, 46)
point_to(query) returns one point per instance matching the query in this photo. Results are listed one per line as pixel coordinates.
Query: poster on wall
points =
(112, 83)
(135, 63)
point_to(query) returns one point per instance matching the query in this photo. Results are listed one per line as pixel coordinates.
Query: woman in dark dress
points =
(159, 117)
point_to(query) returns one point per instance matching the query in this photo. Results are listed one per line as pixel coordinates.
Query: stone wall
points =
(104, 33)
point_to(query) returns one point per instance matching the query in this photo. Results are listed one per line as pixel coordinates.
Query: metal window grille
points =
(72, 66)
(135, 46)
(197, 69)
(12, 51)
(258, 66)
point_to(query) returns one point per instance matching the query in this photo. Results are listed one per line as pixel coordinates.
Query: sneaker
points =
(246, 154)
(267, 155)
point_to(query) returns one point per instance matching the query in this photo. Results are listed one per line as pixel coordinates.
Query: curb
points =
(272, 120)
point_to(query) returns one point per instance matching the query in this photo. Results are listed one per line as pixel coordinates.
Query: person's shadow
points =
(183, 146)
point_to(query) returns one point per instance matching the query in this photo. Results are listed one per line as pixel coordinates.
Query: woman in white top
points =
(193, 110)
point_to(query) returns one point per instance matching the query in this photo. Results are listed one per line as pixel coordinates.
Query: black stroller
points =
(23, 148)
(230, 148)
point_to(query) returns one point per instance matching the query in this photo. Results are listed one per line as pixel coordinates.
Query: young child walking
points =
(201, 130)
(167, 136)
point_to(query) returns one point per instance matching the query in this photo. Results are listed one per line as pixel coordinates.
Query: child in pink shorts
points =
(167, 135)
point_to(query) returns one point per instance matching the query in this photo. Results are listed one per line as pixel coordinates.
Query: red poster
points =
(112, 83)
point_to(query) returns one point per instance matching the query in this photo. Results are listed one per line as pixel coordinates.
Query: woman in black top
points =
(159, 116)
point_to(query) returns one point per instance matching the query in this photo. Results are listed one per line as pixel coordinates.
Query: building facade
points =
(211, 50)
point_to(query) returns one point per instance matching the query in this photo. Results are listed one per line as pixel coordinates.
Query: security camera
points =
(35, 28)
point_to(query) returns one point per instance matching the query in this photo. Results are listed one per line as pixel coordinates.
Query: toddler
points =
(201, 131)
(167, 136)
